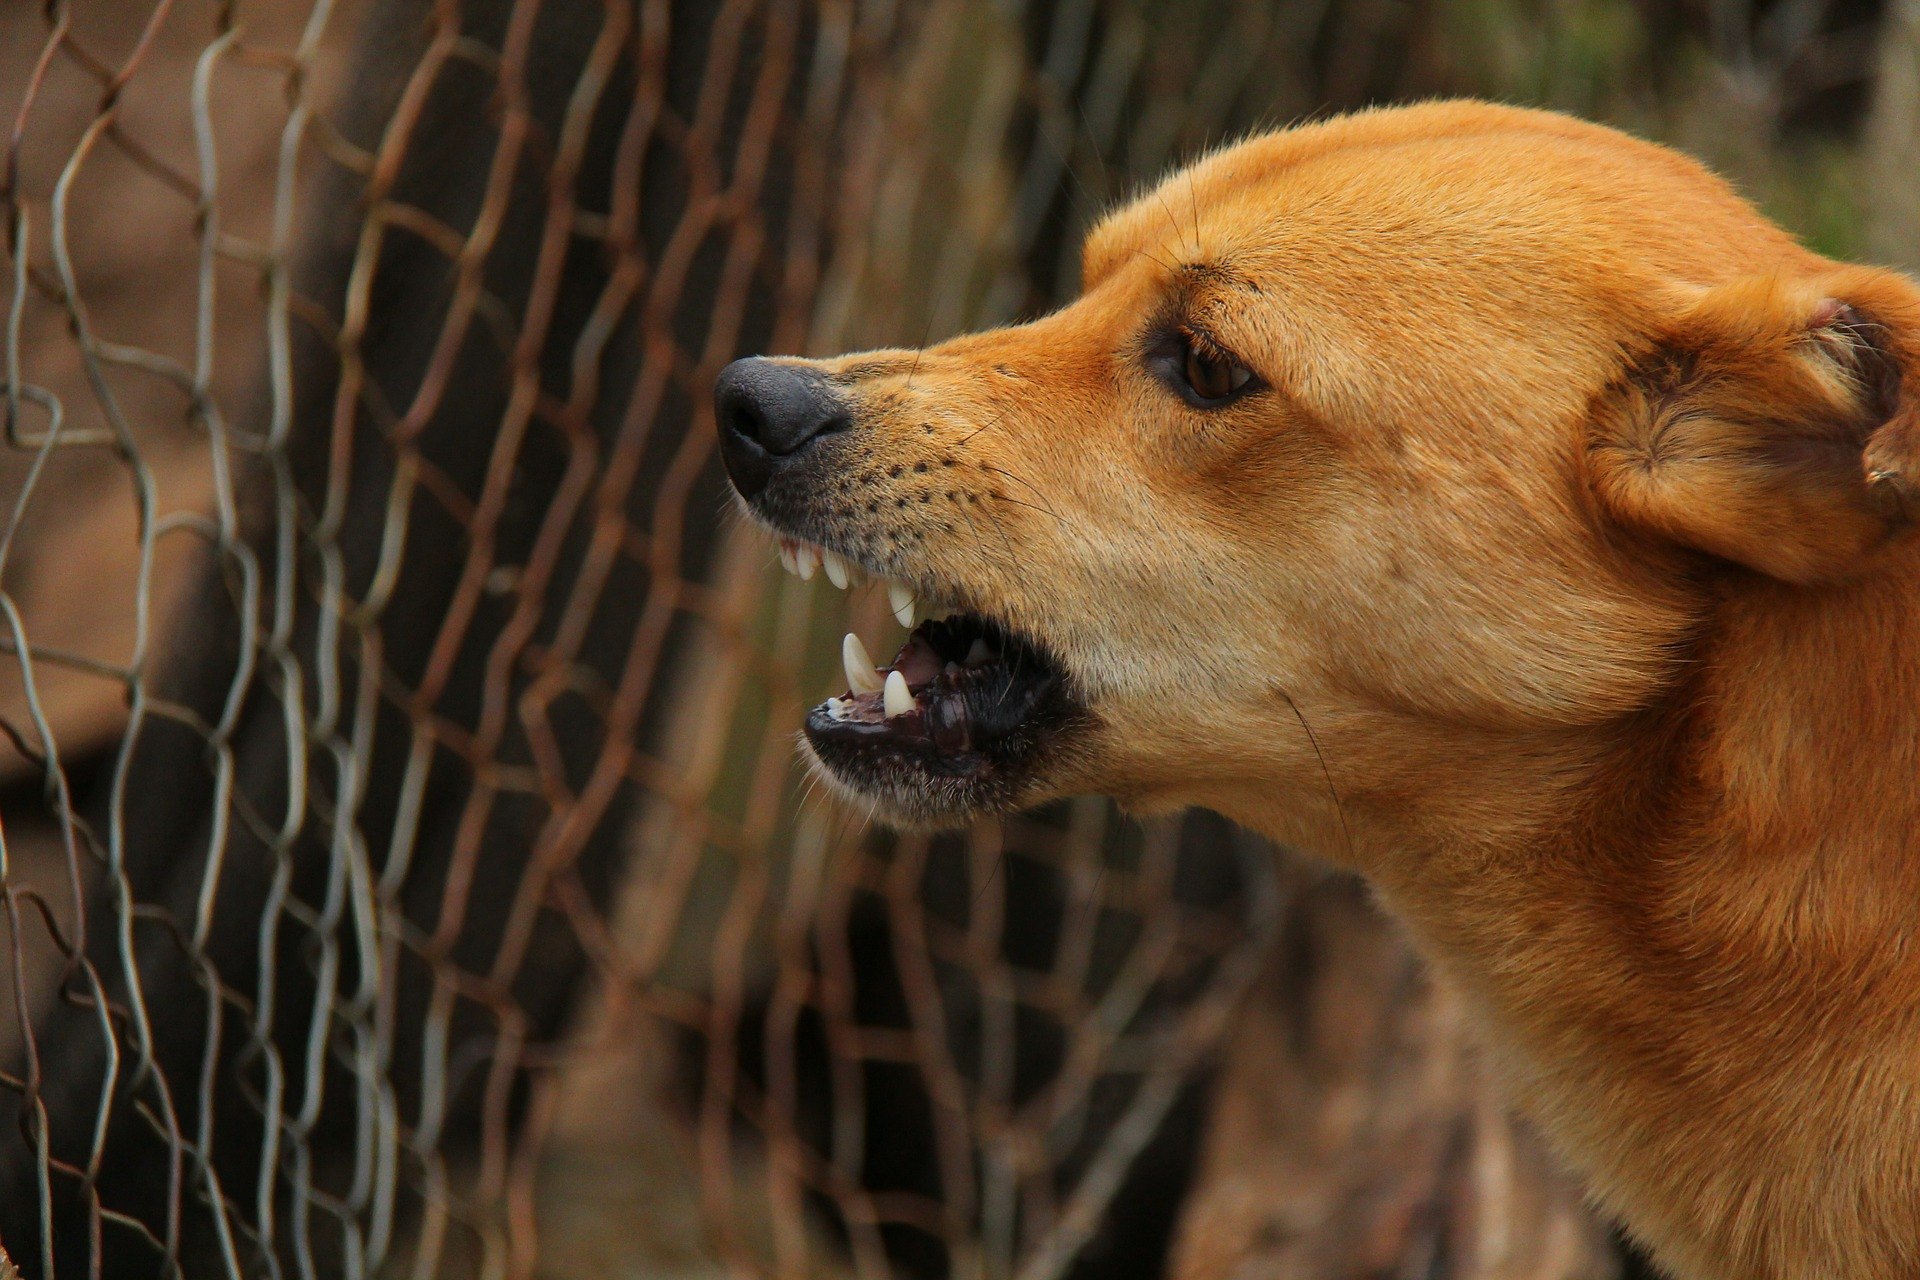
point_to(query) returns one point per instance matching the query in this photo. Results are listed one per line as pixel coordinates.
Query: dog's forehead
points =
(1492, 188)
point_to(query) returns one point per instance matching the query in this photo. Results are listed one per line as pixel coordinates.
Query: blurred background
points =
(404, 865)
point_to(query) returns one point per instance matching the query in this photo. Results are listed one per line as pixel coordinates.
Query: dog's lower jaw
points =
(906, 805)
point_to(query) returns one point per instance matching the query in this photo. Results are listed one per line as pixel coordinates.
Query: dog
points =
(1498, 505)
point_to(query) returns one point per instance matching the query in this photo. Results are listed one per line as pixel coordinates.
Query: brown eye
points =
(1212, 375)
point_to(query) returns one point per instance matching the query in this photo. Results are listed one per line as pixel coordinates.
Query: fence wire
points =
(398, 735)
(405, 867)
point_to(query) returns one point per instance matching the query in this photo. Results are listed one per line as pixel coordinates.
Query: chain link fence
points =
(405, 867)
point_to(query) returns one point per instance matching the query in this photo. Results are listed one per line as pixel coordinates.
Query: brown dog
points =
(1503, 507)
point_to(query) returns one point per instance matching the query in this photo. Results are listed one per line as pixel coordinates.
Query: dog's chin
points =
(900, 798)
(988, 724)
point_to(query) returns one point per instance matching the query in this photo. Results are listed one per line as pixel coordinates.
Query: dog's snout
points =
(768, 413)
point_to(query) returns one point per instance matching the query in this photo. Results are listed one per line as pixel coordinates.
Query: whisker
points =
(1093, 140)
(992, 874)
(1154, 257)
(998, 418)
(1325, 773)
(1001, 497)
(919, 351)
(1014, 671)
(1011, 558)
(1172, 221)
(1026, 484)
(1194, 197)
(1063, 153)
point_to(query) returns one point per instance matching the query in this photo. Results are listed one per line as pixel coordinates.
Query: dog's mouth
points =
(966, 717)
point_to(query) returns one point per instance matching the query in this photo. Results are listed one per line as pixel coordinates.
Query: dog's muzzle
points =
(970, 712)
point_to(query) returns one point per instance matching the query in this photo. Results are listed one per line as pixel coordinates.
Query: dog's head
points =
(1367, 445)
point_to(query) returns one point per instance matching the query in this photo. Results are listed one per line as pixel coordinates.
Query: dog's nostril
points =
(768, 411)
(779, 407)
(744, 421)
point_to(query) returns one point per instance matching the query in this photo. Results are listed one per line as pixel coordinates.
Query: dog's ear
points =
(1772, 422)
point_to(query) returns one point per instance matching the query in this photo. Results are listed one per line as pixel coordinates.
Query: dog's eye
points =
(1211, 375)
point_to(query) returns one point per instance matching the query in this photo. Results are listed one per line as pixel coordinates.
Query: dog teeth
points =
(900, 597)
(896, 700)
(802, 558)
(861, 676)
(979, 654)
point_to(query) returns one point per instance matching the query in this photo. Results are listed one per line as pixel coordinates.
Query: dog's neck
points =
(1713, 901)
(1773, 805)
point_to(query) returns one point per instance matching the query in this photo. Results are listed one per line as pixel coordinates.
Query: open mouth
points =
(963, 719)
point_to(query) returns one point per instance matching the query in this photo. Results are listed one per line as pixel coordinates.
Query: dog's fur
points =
(1558, 576)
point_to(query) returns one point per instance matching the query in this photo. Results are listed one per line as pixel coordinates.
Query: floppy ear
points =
(1775, 423)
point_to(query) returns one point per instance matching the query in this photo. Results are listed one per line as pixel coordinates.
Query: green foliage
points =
(1598, 59)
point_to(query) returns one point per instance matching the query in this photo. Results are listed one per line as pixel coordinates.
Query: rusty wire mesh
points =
(404, 864)
(398, 736)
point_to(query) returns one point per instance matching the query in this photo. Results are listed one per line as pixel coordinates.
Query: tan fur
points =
(1560, 579)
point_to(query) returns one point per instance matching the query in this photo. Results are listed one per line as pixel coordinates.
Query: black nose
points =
(768, 413)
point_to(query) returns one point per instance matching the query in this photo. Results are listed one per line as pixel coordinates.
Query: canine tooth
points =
(861, 676)
(806, 559)
(978, 654)
(897, 701)
(836, 569)
(900, 596)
